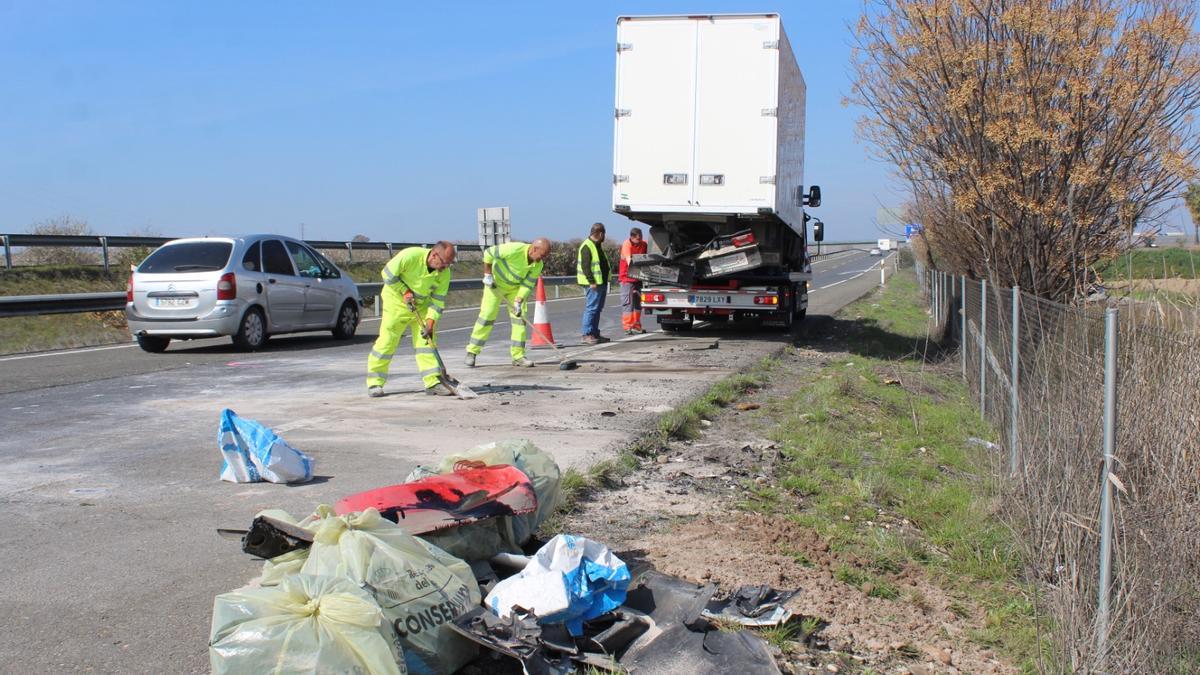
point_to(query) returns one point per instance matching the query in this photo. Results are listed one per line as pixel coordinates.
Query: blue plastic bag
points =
(253, 453)
(570, 580)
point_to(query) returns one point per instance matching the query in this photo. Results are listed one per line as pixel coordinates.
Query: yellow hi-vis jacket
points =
(409, 271)
(511, 267)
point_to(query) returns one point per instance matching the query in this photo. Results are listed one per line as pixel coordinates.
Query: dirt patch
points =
(680, 512)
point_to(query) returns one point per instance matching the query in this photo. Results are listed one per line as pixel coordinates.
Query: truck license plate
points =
(172, 302)
(708, 300)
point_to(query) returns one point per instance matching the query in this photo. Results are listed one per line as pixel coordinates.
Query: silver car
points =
(247, 287)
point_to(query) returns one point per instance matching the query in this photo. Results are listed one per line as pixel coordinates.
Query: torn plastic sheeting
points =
(254, 453)
(681, 650)
(570, 580)
(753, 606)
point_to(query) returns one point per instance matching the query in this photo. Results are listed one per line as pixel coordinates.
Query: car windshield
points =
(198, 256)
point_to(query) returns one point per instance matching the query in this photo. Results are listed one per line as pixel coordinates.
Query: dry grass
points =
(1052, 500)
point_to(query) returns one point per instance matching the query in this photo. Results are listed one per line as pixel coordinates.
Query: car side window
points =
(275, 258)
(306, 263)
(328, 269)
(252, 261)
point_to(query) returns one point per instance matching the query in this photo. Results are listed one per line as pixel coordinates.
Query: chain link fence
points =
(1099, 409)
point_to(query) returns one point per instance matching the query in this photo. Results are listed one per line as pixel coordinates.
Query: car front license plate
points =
(172, 302)
(708, 300)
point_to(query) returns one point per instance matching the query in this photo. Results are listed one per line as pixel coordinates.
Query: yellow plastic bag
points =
(419, 587)
(306, 624)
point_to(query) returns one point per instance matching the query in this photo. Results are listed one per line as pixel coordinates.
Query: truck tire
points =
(252, 331)
(153, 343)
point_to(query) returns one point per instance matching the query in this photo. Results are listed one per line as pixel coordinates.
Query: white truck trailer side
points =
(709, 152)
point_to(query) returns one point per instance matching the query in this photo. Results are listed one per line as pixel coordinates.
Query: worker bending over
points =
(510, 272)
(415, 283)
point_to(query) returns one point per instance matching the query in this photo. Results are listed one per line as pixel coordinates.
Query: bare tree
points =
(1034, 134)
(60, 255)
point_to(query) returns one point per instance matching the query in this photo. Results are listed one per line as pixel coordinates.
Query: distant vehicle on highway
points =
(247, 288)
(876, 251)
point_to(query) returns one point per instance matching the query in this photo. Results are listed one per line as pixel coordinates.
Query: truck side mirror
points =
(818, 231)
(813, 198)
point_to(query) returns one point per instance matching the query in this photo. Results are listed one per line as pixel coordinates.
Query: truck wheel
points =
(347, 321)
(153, 344)
(252, 333)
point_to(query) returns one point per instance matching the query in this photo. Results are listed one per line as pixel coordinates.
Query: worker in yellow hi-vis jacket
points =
(415, 283)
(510, 272)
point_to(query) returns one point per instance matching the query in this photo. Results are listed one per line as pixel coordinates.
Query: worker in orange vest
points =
(631, 289)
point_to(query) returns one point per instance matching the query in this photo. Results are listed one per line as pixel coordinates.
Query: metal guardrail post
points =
(962, 327)
(349, 253)
(1106, 516)
(7, 253)
(983, 347)
(389, 250)
(104, 252)
(1014, 402)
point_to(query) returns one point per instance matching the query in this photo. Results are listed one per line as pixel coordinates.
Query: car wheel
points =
(153, 344)
(252, 333)
(347, 321)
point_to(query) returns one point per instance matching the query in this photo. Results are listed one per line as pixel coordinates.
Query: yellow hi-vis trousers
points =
(488, 309)
(397, 318)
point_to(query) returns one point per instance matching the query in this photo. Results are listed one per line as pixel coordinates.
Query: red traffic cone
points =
(543, 335)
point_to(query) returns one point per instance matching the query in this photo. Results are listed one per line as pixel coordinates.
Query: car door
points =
(320, 297)
(285, 289)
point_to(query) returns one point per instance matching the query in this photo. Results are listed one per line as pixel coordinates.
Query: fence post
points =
(983, 347)
(962, 327)
(104, 252)
(1106, 517)
(881, 272)
(7, 253)
(1014, 401)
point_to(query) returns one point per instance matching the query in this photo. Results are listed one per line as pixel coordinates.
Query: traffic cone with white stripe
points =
(543, 335)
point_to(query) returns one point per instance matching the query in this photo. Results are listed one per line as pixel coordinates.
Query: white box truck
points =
(885, 245)
(709, 153)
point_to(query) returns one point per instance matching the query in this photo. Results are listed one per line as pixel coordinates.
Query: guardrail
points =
(75, 303)
(11, 241)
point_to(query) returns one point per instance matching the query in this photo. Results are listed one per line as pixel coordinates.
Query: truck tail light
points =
(743, 240)
(227, 287)
(766, 299)
(129, 289)
(653, 297)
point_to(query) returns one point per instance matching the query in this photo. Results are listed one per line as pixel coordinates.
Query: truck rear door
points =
(654, 128)
(736, 108)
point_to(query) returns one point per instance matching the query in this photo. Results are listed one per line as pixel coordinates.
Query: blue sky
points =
(393, 120)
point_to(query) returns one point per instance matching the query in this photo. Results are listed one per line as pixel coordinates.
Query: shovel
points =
(563, 362)
(457, 388)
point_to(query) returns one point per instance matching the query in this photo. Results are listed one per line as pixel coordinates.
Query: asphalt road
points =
(109, 490)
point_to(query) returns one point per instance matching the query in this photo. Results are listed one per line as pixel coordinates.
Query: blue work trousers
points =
(591, 311)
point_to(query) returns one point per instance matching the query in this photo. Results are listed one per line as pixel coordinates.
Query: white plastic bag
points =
(306, 624)
(252, 452)
(419, 587)
(570, 580)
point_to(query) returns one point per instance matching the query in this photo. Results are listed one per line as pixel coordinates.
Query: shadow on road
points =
(828, 333)
(281, 344)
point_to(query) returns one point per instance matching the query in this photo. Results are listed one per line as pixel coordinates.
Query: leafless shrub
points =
(60, 255)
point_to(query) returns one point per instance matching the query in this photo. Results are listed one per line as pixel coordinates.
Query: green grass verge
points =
(875, 458)
(1153, 263)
